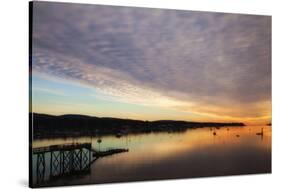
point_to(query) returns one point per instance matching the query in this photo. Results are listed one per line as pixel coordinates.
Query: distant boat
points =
(99, 141)
(118, 135)
(260, 133)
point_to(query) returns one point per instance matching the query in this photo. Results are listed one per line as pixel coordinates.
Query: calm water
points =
(194, 153)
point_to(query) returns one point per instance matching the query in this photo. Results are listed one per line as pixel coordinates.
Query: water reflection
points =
(194, 153)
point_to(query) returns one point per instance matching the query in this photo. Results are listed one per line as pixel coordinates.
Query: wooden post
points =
(60, 154)
(81, 159)
(63, 162)
(51, 164)
(40, 168)
(89, 158)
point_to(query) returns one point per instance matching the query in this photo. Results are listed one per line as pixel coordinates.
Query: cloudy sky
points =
(151, 64)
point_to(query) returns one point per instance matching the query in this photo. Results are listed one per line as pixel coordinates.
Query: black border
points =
(30, 133)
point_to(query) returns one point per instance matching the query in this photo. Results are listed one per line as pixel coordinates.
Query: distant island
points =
(49, 126)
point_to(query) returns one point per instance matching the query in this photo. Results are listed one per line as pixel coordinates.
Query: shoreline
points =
(49, 126)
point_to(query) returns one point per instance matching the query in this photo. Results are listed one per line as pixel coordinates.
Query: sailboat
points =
(260, 133)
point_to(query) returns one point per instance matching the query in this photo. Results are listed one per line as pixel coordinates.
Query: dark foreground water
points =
(194, 153)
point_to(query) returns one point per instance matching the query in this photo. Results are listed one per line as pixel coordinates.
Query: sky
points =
(150, 64)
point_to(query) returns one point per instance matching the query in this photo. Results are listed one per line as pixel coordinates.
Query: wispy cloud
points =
(192, 61)
(49, 91)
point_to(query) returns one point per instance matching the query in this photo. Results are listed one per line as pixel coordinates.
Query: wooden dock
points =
(66, 147)
(67, 159)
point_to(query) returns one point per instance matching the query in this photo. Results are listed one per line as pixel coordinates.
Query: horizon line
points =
(138, 119)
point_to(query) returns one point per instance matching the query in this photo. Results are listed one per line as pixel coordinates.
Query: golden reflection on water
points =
(155, 147)
(161, 145)
(195, 152)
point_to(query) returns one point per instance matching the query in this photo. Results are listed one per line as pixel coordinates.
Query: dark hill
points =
(77, 125)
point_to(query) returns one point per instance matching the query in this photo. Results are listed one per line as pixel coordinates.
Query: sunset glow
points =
(151, 65)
